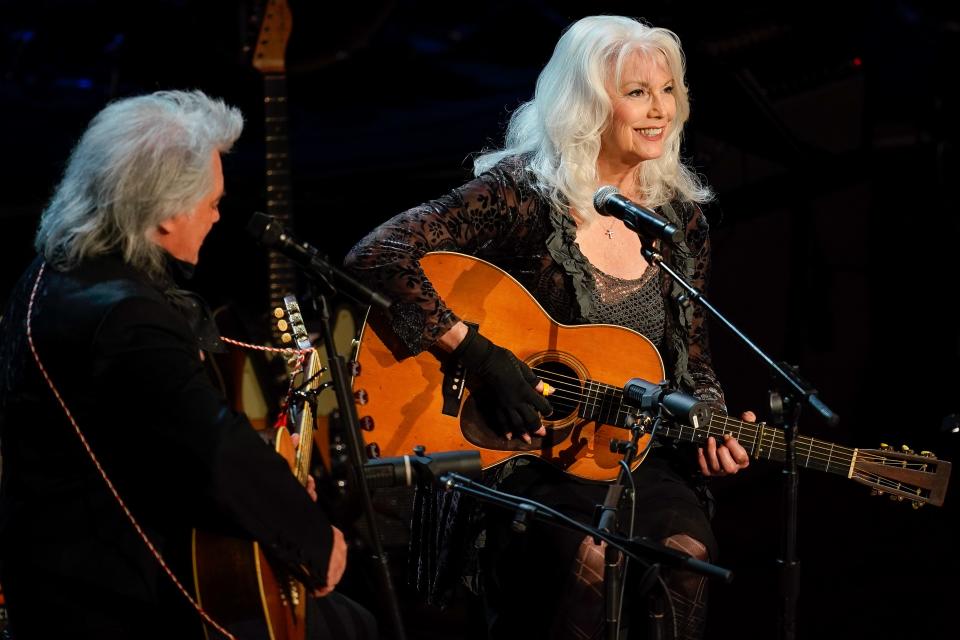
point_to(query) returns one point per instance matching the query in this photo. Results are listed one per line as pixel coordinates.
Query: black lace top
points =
(501, 218)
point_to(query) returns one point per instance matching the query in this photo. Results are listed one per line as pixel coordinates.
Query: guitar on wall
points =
(253, 380)
(416, 400)
(233, 579)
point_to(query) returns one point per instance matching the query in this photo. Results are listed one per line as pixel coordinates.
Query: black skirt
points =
(457, 540)
(523, 575)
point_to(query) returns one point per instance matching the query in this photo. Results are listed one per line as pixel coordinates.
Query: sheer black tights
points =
(682, 616)
(687, 591)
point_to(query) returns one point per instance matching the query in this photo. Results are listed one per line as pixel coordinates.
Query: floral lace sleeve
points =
(484, 212)
(700, 365)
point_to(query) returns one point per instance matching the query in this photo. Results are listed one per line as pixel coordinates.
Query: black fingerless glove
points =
(507, 382)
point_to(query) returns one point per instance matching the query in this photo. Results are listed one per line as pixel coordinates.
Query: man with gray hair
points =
(115, 444)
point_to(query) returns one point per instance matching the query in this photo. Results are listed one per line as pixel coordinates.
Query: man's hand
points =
(311, 483)
(338, 564)
(338, 554)
(725, 458)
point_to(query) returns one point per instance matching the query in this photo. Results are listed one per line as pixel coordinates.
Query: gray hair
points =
(558, 131)
(142, 160)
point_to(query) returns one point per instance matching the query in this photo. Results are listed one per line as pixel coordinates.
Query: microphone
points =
(270, 233)
(424, 468)
(609, 201)
(648, 396)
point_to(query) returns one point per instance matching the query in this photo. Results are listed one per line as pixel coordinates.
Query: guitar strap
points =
(103, 474)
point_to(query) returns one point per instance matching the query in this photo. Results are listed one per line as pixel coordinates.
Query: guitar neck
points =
(767, 443)
(281, 273)
(312, 371)
(604, 403)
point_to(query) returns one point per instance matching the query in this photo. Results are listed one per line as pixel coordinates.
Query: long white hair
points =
(558, 131)
(142, 160)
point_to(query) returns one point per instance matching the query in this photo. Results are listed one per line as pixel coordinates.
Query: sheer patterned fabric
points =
(636, 304)
(499, 216)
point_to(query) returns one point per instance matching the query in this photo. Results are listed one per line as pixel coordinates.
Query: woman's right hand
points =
(508, 384)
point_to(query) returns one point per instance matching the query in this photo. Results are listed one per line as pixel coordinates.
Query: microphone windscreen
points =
(602, 195)
(264, 228)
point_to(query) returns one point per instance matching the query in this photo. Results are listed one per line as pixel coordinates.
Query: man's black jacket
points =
(122, 352)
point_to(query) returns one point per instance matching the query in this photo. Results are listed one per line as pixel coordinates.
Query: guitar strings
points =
(777, 443)
(826, 453)
(608, 405)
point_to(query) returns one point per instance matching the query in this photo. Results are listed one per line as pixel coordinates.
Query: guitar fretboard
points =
(604, 403)
(281, 272)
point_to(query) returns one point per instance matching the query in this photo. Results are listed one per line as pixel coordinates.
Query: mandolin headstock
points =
(290, 324)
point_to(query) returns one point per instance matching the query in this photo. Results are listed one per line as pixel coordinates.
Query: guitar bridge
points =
(454, 380)
(454, 377)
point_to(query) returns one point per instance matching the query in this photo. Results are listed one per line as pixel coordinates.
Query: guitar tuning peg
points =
(286, 338)
(927, 454)
(916, 504)
(884, 446)
(282, 324)
(905, 449)
(355, 368)
(896, 498)
(278, 313)
(876, 492)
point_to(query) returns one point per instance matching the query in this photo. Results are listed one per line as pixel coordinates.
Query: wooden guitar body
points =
(411, 395)
(236, 584)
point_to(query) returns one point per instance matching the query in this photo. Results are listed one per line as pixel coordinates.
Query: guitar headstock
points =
(903, 474)
(275, 26)
(290, 325)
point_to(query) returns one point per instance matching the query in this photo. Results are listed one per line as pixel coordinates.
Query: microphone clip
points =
(660, 399)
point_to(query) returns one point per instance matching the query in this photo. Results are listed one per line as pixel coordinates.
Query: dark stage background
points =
(829, 131)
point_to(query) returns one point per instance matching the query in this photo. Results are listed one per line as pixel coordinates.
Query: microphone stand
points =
(640, 549)
(350, 423)
(649, 554)
(607, 523)
(789, 563)
(796, 392)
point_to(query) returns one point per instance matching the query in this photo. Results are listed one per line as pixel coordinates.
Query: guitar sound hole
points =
(567, 388)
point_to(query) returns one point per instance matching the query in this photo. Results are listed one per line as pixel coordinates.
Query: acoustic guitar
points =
(233, 579)
(425, 399)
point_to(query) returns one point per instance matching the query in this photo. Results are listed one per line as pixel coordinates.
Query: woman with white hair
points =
(609, 109)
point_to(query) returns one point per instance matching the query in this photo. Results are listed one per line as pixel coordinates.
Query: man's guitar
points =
(416, 400)
(234, 580)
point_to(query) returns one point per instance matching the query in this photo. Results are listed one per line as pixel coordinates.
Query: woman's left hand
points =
(725, 458)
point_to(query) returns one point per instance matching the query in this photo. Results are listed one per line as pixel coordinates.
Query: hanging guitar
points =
(416, 400)
(234, 581)
(253, 381)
